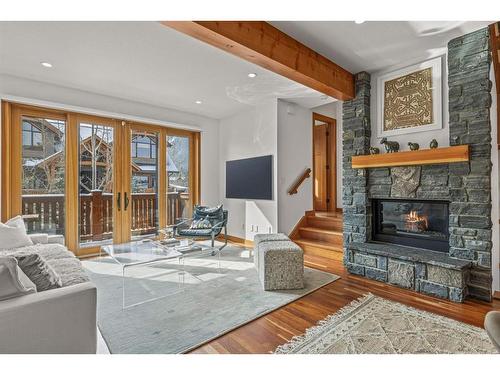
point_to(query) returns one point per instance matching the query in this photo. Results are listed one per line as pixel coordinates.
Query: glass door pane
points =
(43, 174)
(143, 203)
(96, 198)
(178, 171)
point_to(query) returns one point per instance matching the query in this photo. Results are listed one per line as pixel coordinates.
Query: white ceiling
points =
(150, 63)
(144, 62)
(373, 46)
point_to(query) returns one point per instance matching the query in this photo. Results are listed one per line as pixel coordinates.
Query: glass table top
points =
(138, 252)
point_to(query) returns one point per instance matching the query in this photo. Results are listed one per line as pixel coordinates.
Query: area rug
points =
(373, 325)
(214, 302)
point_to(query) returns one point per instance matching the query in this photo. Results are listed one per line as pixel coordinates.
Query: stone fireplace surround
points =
(466, 269)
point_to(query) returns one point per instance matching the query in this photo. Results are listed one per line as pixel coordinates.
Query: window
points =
(32, 136)
(143, 147)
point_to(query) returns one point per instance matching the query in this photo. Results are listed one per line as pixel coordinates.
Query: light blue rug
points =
(212, 301)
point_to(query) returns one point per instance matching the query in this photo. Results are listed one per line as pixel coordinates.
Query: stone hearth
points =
(466, 268)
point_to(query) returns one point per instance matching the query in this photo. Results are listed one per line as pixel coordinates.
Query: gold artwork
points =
(408, 101)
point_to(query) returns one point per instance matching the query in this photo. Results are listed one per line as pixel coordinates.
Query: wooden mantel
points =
(445, 155)
(266, 46)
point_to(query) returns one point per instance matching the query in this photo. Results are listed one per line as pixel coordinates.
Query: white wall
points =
(62, 97)
(248, 134)
(294, 156)
(422, 138)
(334, 110)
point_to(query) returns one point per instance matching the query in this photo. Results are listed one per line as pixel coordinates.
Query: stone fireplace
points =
(425, 227)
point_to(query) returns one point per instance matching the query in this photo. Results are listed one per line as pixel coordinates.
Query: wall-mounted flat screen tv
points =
(250, 178)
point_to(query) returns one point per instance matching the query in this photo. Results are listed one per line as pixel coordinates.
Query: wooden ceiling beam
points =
(264, 45)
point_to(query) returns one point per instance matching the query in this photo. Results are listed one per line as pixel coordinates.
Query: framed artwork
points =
(409, 99)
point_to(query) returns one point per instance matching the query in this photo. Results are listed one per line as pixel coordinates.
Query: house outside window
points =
(32, 136)
(143, 147)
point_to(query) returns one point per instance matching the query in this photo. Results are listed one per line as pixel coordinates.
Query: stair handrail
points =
(295, 187)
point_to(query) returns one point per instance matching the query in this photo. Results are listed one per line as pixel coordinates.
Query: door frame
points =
(11, 167)
(331, 155)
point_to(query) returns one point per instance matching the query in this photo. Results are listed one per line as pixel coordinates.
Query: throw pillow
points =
(13, 234)
(13, 282)
(38, 271)
(205, 224)
(214, 214)
(194, 224)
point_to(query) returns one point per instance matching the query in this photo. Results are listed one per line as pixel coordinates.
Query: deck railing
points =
(45, 213)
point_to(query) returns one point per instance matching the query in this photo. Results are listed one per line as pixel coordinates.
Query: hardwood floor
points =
(263, 335)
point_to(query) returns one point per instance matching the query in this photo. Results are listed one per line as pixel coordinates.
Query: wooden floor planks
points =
(264, 334)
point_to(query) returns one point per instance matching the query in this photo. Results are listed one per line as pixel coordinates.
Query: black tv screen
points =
(250, 178)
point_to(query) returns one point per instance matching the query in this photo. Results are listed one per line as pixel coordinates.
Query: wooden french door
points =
(324, 163)
(95, 180)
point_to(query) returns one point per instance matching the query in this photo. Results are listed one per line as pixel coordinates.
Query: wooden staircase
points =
(320, 233)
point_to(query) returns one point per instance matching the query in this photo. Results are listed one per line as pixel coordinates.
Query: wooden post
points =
(97, 215)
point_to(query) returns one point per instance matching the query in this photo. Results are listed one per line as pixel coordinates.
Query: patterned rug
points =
(373, 325)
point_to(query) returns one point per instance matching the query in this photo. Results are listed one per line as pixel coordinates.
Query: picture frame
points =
(409, 100)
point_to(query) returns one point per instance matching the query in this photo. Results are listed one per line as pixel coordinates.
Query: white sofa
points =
(61, 320)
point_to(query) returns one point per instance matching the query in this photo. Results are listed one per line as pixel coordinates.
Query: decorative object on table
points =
(409, 99)
(390, 146)
(374, 150)
(413, 146)
(166, 233)
(208, 224)
(433, 144)
(374, 325)
(170, 242)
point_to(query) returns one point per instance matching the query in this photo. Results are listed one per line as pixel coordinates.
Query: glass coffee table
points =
(132, 255)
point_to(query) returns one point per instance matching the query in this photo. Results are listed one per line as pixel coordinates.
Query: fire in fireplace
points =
(417, 223)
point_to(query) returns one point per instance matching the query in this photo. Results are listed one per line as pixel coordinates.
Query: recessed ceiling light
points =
(359, 22)
(252, 75)
(198, 102)
(46, 64)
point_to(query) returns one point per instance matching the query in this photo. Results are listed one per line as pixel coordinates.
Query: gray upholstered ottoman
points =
(259, 238)
(280, 265)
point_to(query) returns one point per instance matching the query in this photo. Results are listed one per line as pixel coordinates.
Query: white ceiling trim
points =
(96, 112)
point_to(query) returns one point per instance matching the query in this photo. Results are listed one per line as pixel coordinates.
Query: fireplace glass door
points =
(416, 223)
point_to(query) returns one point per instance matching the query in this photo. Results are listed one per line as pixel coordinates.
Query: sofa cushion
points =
(62, 261)
(38, 271)
(13, 281)
(53, 251)
(70, 270)
(13, 234)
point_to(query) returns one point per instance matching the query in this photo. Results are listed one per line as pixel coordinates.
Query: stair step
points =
(324, 223)
(321, 244)
(320, 234)
(320, 248)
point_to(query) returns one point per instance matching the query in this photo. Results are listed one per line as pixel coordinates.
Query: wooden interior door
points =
(324, 164)
(320, 181)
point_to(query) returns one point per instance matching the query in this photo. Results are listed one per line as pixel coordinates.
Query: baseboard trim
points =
(496, 295)
(237, 240)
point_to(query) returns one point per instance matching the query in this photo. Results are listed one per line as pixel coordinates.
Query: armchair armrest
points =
(219, 225)
(61, 320)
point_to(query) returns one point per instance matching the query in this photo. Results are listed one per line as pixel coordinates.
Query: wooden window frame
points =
(11, 174)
